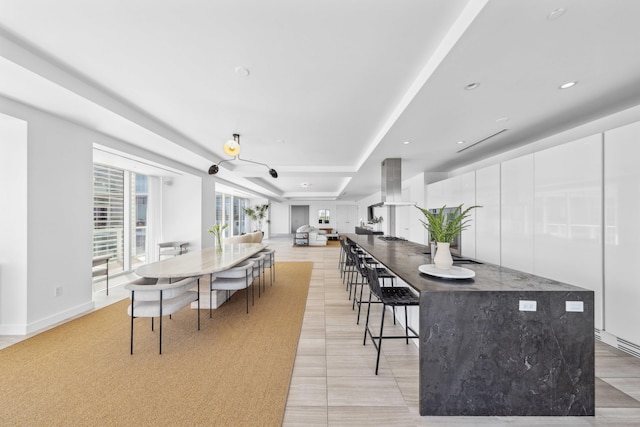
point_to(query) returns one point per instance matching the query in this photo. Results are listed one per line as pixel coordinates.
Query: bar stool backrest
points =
(374, 284)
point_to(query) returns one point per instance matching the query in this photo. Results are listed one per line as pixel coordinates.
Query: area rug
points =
(235, 371)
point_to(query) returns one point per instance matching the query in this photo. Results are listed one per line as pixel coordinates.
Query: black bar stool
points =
(396, 296)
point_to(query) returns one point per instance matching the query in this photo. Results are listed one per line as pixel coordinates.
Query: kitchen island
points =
(502, 343)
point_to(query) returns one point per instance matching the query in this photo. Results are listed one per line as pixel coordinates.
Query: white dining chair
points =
(232, 279)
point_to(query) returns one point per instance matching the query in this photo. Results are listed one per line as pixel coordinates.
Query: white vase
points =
(443, 260)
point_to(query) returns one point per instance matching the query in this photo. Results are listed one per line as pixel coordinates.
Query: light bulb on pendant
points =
(232, 147)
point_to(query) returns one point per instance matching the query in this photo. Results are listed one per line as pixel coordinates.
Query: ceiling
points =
(333, 86)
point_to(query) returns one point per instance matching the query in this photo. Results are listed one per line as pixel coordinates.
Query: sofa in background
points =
(317, 237)
(255, 237)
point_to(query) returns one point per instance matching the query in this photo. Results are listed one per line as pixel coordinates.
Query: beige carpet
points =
(235, 371)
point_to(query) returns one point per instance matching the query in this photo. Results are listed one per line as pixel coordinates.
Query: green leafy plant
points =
(258, 214)
(217, 230)
(376, 220)
(443, 226)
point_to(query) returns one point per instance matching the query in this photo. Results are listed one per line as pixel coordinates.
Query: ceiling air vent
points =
(482, 140)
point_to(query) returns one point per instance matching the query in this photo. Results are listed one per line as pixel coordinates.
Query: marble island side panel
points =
(481, 355)
(482, 352)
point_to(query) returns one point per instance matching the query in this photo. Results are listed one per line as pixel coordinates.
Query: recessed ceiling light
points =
(555, 14)
(242, 71)
(502, 120)
(567, 85)
(471, 86)
(407, 142)
(460, 142)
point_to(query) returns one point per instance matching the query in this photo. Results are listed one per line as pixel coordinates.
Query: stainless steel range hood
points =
(392, 184)
(392, 191)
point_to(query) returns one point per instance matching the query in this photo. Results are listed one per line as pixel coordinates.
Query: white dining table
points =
(200, 262)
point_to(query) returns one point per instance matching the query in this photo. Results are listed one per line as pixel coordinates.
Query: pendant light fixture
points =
(232, 148)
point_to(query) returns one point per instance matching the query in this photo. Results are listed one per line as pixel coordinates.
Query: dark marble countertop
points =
(403, 258)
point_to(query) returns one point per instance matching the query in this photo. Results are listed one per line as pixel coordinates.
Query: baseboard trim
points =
(62, 316)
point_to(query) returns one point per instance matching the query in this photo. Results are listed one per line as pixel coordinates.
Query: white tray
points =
(454, 273)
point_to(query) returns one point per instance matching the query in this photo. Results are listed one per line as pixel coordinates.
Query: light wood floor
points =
(333, 381)
(334, 384)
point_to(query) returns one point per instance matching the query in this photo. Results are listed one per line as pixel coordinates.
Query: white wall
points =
(315, 206)
(280, 219)
(408, 218)
(59, 194)
(281, 215)
(13, 225)
(60, 222)
(182, 212)
(55, 224)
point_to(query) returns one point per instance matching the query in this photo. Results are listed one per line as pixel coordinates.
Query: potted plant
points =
(258, 214)
(216, 230)
(377, 220)
(443, 227)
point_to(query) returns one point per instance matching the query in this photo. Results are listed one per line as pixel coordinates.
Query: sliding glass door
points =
(120, 218)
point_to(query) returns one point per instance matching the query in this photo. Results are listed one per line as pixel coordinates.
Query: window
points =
(227, 214)
(120, 202)
(230, 210)
(324, 216)
(139, 250)
(108, 213)
(244, 224)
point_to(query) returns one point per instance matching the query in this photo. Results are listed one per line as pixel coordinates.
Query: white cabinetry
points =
(568, 215)
(468, 198)
(487, 217)
(445, 192)
(516, 213)
(451, 191)
(622, 228)
(435, 195)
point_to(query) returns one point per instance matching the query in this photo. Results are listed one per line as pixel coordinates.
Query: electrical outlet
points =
(526, 305)
(58, 291)
(574, 306)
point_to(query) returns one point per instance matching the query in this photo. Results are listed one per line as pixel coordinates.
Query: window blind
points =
(108, 211)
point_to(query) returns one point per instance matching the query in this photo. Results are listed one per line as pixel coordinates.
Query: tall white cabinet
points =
(568, 215)
(468, 198)
(517, 213)
(622, 231)
(487, 218)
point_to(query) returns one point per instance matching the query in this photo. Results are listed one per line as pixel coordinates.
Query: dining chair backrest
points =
(269, 255)
(235, 272)
(258, 264)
